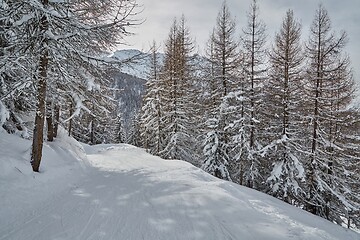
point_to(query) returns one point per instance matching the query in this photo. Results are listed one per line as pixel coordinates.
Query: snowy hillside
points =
(121, 192)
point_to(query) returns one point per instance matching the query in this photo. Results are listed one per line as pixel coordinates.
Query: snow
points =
(4, 115)
(24, 19)
(122, 192)
(355, 103)
(78, 106)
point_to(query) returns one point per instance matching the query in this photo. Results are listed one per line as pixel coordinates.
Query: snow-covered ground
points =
(121, 192)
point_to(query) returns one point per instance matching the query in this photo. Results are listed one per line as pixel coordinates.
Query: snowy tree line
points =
(276, 119)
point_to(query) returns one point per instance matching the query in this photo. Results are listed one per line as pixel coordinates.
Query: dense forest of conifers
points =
(275, 119)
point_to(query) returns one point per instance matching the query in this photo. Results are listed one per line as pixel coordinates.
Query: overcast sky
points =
(201, 17)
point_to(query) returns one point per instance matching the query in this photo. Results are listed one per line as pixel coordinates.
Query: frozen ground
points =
(121, 192)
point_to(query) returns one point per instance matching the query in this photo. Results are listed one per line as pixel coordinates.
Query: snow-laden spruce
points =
(284, 130)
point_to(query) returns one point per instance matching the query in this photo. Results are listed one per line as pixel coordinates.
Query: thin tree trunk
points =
(312, 165)
(70, 121)
(92, 139)
(252, 93)
(37, 145)
(49, 121)
(36, 153)
(57, 119)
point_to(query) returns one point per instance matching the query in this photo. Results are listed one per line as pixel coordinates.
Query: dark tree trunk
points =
(70, 121)
(36, 153)
(92, 138)
(37, 145)
(56, 120)
(49, 121)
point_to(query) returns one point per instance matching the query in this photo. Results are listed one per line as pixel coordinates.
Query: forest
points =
(273, 115)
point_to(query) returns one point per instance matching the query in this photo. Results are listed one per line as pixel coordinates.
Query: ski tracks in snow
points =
(129, 195)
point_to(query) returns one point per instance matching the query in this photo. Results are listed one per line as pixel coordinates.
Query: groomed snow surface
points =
(121, 192)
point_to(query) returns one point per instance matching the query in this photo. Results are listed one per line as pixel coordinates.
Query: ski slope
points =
(121, 192)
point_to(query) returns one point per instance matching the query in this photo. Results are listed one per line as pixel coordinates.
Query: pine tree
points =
(134, 137)
(283, 103)
(253, 41)
(329, 87)
(214, 162)
(223, 59)
(178, 98)
(119, 136)
(152, 115)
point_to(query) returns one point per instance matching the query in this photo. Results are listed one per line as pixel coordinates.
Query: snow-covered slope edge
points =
(122, 192)
(63, 163)
(181, 200)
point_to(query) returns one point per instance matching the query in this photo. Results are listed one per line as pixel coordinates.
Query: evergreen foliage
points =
(253, 41)
(284, 96)
(152, 114)
(328, 87)
(177, 77)
(223, 57)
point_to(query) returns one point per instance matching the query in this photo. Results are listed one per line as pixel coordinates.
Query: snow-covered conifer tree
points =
(152, 116)
(283, 103)
(17, 94)
(215, 161)
(254, 58)
(134, 137)
(329, 87)
(119, 136)
(223, 57)
(178, 95)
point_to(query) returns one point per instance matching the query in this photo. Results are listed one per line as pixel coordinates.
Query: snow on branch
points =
(78, 107)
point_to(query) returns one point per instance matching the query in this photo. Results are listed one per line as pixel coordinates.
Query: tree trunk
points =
(36, 153)
(92, 129)
(37, 145)
(49, 121)
(57, 118)
(92, 139)
(70, 121)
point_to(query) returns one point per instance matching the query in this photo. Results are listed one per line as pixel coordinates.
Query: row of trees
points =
(53, 58)
(276, 120)
(168, 115)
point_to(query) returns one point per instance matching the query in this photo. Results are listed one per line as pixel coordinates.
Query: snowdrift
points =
(121, 192)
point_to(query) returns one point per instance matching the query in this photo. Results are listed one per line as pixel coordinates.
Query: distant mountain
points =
(137, 62)
(129, 95)
(131, 83)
